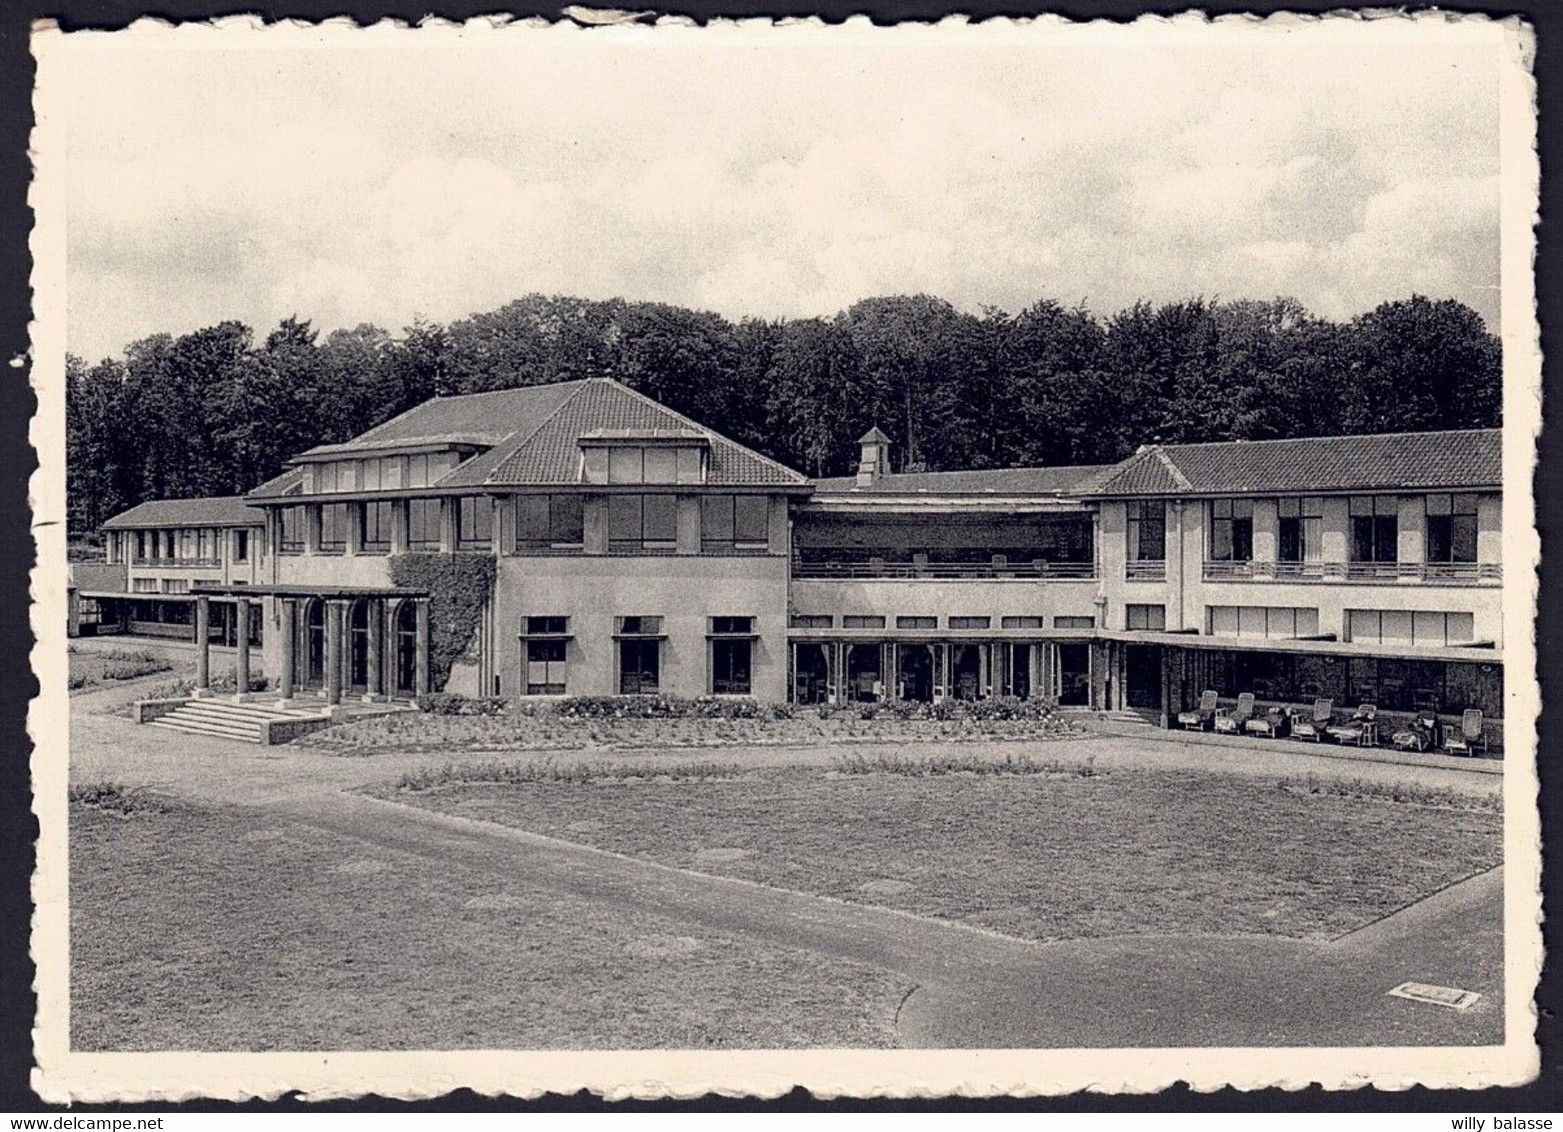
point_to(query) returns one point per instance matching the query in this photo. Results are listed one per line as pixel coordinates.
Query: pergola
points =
(338, 601)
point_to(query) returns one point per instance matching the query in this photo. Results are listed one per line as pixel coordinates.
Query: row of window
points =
(190, 544)
(1393, 685)
(879, 621)
(636, 522)
(166, 586)
(638, 639)
(1371, 626)
(1450, 527)
(384, 473)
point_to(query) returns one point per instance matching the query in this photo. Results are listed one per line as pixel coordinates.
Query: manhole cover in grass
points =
(360, 868)
(1452, 997)
(495, 902)
(885, 887)
(720, 856)
(662, 946)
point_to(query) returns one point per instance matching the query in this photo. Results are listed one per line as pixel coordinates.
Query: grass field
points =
(94, 668)
(1038, 855)
(212, 929)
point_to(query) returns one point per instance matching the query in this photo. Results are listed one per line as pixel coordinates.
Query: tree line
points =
(216, 412)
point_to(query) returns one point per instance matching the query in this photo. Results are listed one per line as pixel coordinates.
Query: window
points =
(1301, 529)
(1073, 622)
(661, 465)
(640, 655)
(859, 621)
(1147, 531)
(546, 668)
(640, 626)
(970, 622)
(730, 667)
(731, 625)
(374, 527)
(292, 530)
(325, 477)
(916, 622)
(241, 546)
(141, 546)
(626, 465)
(1231, 530)
(1024, 622)
(474, 523)
(1262, 621)
(144, 586)
(734, 521)
(642, 522)
(1375, 528)
(176, 585)
(547, 626)
(1451, 528)
(418, 471)
(333, 528)
(1151, 618)
(813, 621)
(545, 522)
(1410, 627)
(423, 524)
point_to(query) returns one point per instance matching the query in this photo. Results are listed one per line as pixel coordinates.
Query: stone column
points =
(289, 632)
(241, 644)
(203, 646)
(421, 680)
(376, 649)
(333, 654)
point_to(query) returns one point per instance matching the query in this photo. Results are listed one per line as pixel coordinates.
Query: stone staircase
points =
(225, 719)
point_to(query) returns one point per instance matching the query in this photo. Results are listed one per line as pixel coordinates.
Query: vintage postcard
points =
(984, 558)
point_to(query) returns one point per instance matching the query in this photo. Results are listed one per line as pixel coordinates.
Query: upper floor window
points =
(1375, 528)
(1232, 530)
(544, 521)
(474, 522)
(734, 521)
(916, 622)
(813, 620)
(241, 546)
(423, 524)
(618, 462)
(862, 621)
(1147, 531)
(292, 521)
(1024, 622)
(141, 546)
(333, 528)
(1151, 618)
(1072, 621)
(374, 527)
(1451, 528)
(970, 622)
(1300, 534)
(326, 476)
(642, 522)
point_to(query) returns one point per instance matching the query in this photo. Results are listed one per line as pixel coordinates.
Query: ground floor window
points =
(730, 667)
(811, 673)
(639, 667)
(547, 670)
(1073, 674)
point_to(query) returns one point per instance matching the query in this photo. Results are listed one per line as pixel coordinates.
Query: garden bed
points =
(95, 668)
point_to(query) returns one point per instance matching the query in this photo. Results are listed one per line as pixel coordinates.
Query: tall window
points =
(1232, 530)
(333, 528)
(292, 519)
(1147, 531)
(642, 522)
(547, 648)
(731, 646)
(241, 546)
(640, 655)
(474, 522)
(1375, 528)
(423, 524)
(546, 522)
(1301, 529)
(374, 527)
(326, 477)
(1451, 528)
(730, 522)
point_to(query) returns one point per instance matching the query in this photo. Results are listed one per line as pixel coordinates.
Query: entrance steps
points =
(1132, 717)
(225, 719)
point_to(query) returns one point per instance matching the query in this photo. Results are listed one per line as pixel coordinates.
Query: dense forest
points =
(216, 412)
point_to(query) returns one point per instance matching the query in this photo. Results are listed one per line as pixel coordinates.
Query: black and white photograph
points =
(989, 556)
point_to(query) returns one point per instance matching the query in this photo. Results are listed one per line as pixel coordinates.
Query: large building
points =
(633, 550)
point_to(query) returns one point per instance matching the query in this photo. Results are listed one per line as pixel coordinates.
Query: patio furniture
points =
(1470, 736)
(1232, 722)
(1313, 726)
(1203, 716)
(1419, 735)
(1275, 722)
(1361, 729)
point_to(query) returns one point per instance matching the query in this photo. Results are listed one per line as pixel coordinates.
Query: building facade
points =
(631, 550)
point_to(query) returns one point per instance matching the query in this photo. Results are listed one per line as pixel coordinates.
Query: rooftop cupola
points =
(875, 461)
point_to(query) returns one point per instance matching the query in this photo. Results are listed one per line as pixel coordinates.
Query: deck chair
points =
(1418, 735)
(1203, 716)
(1361, 729)
(1232, 722)
(1272, 724)
(1469, 737)
(1313, 726)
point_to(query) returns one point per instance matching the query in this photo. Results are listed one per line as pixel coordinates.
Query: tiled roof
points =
(1067, 480)
(362, 447)
(289, 482)
(221, 511)
(549, 452)
(485, 418)
(1428, 461)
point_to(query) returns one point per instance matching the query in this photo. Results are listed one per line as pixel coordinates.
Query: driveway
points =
(974, 989)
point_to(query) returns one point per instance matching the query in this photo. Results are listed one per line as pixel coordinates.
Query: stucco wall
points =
(942, 597)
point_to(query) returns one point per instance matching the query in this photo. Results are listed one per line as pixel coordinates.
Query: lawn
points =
(1055, 855)
(93, 668)
(216, 929)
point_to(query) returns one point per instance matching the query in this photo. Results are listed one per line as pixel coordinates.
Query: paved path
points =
(974, 989)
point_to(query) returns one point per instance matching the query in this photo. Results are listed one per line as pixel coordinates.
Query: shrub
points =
(668, 707)
(453, 703)
(548, 771)
(935, 765)
(114, 798)
(221, 682)
(131, 669)
(459, 586)
(994, 709)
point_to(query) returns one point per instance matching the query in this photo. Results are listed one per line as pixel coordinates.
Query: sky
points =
(347, 179)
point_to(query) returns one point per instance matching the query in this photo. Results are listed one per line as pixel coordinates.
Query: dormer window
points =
(650, 456)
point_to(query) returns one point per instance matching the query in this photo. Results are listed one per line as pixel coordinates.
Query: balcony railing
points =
(1455, 573)
(878, 568)
(1146, 571)
(163, 562)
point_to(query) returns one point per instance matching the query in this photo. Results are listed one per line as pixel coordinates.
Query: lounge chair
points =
(1418, 735)
(1361, 729)
(1313, 726)
(1470, 736)
(1232, 722)
(1273, 723)
(1203, 716)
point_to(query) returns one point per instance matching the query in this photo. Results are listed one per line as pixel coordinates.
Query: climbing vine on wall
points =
(459, 585)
